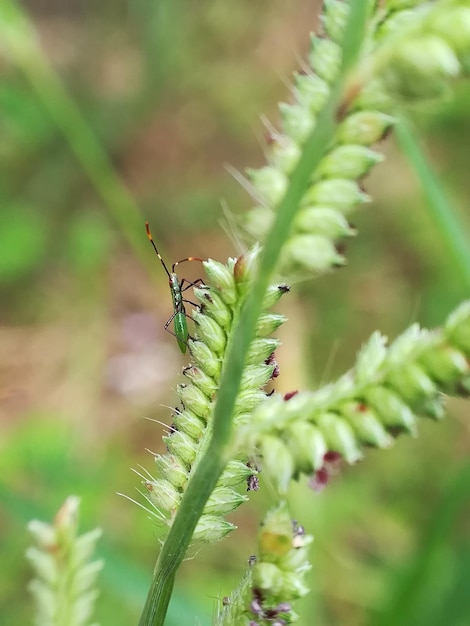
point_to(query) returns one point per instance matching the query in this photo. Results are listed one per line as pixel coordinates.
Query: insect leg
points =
(168, 330)
(191, 283)
(169, 322)
(190, 302)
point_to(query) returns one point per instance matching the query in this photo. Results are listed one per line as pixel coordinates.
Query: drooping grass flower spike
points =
(65, 576)
(381, 397)
(410, 53)
(220, 302)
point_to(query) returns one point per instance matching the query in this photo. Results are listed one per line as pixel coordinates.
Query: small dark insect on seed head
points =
(297, 529)
(271, 360)
(252, 483)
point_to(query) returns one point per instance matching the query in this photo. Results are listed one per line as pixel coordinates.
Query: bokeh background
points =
(125, 104)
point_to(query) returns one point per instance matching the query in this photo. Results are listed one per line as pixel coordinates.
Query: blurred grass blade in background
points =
(453, 232)
(21, 45)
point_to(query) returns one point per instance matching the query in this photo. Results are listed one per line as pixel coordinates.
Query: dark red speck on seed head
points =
(290, 394)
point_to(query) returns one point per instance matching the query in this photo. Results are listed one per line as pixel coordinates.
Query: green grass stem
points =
(211, 466)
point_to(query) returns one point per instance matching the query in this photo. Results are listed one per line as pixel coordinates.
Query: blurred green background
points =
(163, 94)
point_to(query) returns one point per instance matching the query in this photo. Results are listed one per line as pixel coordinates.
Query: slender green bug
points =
(177, 288)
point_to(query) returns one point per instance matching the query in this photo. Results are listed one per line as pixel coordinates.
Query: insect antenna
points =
(189, 258)
(149, 235)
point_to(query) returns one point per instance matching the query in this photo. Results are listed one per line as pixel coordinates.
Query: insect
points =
(177, 288)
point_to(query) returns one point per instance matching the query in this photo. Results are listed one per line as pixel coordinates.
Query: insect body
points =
(177, 289)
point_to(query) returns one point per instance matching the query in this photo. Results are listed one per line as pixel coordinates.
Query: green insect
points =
(177, 289)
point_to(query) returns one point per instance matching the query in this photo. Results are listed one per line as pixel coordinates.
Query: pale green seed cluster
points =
(335, 189)
(423, 47)
(410, 52)
(63, 588)
(276, 576)
(187, 440)
(369, 406)
(322, 219)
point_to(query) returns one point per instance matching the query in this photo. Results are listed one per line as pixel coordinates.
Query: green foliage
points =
(22, 241)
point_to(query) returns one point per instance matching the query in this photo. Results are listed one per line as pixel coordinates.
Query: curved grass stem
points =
(211, 466)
